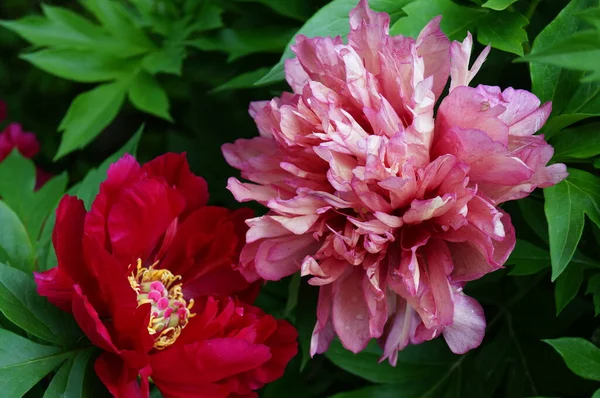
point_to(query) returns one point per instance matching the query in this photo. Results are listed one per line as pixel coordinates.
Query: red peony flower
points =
(26, 143)
(148, 275)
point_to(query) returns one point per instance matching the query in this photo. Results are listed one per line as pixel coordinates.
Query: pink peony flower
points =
(390, 210)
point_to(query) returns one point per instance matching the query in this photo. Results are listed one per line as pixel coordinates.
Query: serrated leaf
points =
(116, 20)
(331, 20)
(566, 286)
(503, 30)
(498, 5)
(578, 143)
(581, 356)
(89, 114)
(566, 204)
(23, 363)
(69, 381)
(86, 66)
(146, 94)
(593, 288)
(21, 304)
(14, 240)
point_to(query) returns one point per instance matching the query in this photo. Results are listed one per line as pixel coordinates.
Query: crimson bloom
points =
(148, 275)
(390, 209)
(26, 143)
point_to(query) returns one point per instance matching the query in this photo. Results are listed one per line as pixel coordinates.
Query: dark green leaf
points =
(239, 43)
(528, 259)
(365, 364)
(293, 290)
(14, 240)
(147, 95)
(69, 381)
(533, 214)
(298, 9)
(331, 20)
(87, 66)
(561, 86)
(566, 204)
(21, 304)
(577, 143)
(245, 80)
(306, 318)
(23, 363)
(581, 356)
(498, 4)
(593, 288)
(567, 285)
(89, 114)
(13, 168)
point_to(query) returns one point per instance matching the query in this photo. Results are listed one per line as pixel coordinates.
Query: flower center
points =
(170, 312)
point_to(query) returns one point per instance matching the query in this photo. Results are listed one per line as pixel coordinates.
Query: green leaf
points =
(116, 20)
(166, 60)
(306, 318)
(562, 86)
(532, 212)
(566, 204)
(23, 363)
(239, 43)
(566, 286)
(596, 394)
(297, 9)
(69, 381)
(456, 19)
(580, 51)
(245, 80)
(581, 356)
(528, 259)
(14, 240)
(593, 288)
(89, 114)
(503, 30)
(498, 5)
(410, 366)
(30, 206)
(24, 307)
(208, 17)
(331, 20)
(13, 168)
(147, 95)
(86, 66)
(293, 290)
(578, 143)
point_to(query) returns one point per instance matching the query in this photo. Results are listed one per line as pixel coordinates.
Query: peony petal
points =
(468, 325)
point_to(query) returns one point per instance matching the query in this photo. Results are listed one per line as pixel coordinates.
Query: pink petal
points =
(468, 325)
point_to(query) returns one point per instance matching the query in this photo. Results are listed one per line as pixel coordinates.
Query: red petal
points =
(57, 286)
(175, 169)
(140, 217)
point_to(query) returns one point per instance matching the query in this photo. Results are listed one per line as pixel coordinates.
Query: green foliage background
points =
(85, 75)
